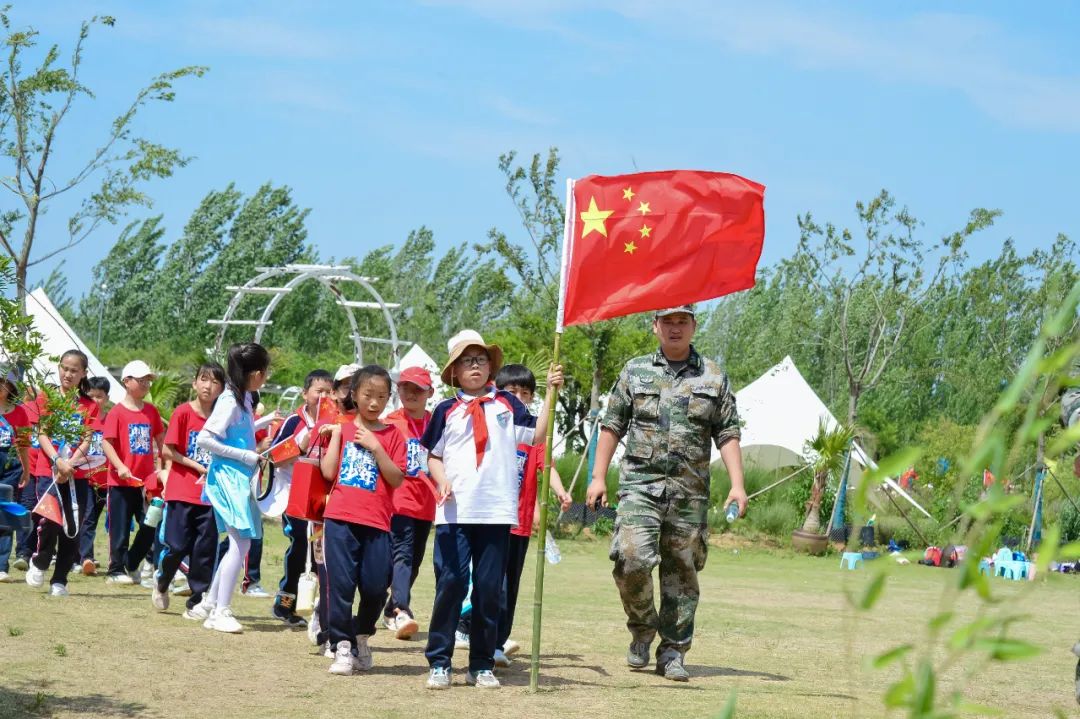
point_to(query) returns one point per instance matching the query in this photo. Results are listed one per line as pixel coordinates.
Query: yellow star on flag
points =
(594, 219)
(629, 247)
(643, 208)
(645, 230)
(628, 194)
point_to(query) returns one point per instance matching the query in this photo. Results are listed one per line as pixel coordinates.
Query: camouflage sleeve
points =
(726, 417)
(620, 405)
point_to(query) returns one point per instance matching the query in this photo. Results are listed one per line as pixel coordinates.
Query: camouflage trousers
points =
(672, 533)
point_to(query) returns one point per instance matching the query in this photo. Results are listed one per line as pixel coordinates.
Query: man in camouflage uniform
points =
(668, 406)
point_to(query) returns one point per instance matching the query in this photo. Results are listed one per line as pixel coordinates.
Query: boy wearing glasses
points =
(130, 434)
(472, 442)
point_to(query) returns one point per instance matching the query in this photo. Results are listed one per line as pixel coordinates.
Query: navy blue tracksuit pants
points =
(125, 504)
(10, 474)
(408, 541)
(91, 516)
(457, 548)
(356, 557)
(190, 531)
(52, 539)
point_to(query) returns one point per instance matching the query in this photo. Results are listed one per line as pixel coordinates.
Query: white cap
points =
(346, 371)
(136, 369)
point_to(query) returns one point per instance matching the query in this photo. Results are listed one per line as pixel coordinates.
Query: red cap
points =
(417, 376)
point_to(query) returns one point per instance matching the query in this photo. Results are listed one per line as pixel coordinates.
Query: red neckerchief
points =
(474, 408)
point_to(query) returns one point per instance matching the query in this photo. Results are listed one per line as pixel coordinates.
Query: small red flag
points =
(284, 451)
(653, 240)
(49, 508)
(327, 412)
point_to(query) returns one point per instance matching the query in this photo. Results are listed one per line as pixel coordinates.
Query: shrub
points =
(777, 519)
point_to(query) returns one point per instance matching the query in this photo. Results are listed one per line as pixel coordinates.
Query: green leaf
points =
(893, 655)
(940, 620)
(873, 591)
(1005, 649)
(899, 692)
(729, 707)
(1048, 549)
(1069, 551)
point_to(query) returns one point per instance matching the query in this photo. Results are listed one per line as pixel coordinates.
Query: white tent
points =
(417, 357)
(59, 338)
(780, 413)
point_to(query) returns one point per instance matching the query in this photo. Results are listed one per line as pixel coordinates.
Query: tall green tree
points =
(37, 93)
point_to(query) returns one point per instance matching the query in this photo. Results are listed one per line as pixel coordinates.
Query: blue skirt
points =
(228, 490)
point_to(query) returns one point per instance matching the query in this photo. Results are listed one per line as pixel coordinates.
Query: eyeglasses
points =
(473, 361)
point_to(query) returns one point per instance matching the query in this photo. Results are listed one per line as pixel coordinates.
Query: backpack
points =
(931, 557)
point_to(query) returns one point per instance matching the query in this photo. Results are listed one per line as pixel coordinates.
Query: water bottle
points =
(732, 512)
(154, 512)
(551, 550)
(306, 591)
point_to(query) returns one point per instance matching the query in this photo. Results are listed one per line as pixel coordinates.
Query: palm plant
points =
(828, 449)
(167, 391)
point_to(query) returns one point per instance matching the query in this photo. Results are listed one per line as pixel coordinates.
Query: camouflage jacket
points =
(668, 420)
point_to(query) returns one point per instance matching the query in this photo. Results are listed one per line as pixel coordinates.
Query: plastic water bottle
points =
(732, 512)
(154, 512)
(551, 550)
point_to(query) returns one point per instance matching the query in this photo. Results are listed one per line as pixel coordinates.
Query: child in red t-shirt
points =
(97, 475)
(54, 540)
(366, 461)
(131, 433)
(15, 423)
(190, 527)
(414, 500)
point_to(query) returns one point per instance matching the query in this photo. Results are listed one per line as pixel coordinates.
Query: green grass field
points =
(772, 626)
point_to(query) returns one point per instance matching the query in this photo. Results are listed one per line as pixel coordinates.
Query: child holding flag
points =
(189, 530)
(58, 531)
(229, 437)
(366, 459)
(414, 500)
(472, 440)
(132, 431)
(300, 428)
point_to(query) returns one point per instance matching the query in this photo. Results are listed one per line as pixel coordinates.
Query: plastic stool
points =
(984, 567)
(851, 560)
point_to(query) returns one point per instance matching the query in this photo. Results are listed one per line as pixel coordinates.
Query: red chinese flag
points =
(660, 239)
(49, 508)
(327, 411)
(284, 451)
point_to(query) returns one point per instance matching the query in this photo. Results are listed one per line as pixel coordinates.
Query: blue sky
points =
(383, 116)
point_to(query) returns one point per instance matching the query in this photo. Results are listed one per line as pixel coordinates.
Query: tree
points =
(829, 450)
(33, 107)
(874, 289)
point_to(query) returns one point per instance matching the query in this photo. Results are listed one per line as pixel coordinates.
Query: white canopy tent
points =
(59, 338)
(780, 413)
(417, 357)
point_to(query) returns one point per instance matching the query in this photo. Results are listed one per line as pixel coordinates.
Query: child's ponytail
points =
(242, 360)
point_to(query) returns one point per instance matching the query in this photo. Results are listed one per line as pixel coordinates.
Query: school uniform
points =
(17, 420)
(356, 534)
(472, 528)
(97, 490)
(189, 526)
(131, 434)
(299, 425)
(414, 513)
(52, 539)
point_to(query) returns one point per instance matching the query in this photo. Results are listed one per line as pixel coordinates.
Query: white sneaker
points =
(405, 626)
(180, 588)
(199, 612)
(35, 577)
(364, 661)
(6, 578)
(327, 650)
(58, 590)
(119, 579)
(222, 620)
(501, 660)
(390, 622)
(159, 599)
(461, 640)
(21, 563)
(344, 661)
(147, 583)
(483, 679)
(438, 678)
(146, 571)
(313, 629)
(510, 648)
(256, 591)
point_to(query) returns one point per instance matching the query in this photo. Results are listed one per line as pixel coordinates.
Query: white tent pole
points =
(777, 482)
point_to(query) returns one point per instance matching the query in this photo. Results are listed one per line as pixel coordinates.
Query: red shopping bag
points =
(307, 495)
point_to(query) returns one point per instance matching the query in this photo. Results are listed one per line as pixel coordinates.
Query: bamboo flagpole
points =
(544, 489)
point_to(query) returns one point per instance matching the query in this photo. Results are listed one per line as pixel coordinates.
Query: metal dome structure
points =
(329, 276)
